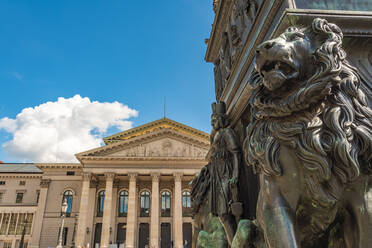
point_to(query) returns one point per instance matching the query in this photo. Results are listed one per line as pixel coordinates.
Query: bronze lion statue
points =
(310, 141)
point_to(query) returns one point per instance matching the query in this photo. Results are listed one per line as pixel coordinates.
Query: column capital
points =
(178, 176)
(86, 176)
(44, 183)
(110, 175)
(132, 176)
(155, 177)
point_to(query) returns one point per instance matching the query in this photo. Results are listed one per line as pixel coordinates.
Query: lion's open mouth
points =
(275, 73)
(285, 68)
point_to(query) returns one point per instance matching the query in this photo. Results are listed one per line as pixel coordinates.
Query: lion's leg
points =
(360, 218)
(277, 204)
(276, 217)
(229, 224)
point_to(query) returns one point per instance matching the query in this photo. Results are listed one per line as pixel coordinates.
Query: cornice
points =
(111, 148)
(58, 165)
(176, 159)
(219, 24)
(20, 175)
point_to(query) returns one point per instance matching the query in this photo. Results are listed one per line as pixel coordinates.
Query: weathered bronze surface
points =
(310, 141)
(218, 181)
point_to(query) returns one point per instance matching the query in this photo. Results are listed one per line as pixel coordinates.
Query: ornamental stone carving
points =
(44, 183)
(310, 140)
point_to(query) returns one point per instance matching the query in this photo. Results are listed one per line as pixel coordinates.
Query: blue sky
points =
(133, 52)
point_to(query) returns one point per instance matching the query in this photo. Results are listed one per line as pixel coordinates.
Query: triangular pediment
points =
(154, 126)
(165, 142)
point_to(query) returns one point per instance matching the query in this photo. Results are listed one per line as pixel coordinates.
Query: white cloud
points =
(55, 131)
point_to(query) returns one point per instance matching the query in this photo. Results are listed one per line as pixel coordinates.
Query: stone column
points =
(132, 212)
(106, 221)
(91, 213)
(83, 210)
(177, 213)
(114, 211)
(39, 215)
(154, 225)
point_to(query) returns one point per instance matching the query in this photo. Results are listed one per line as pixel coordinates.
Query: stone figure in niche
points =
(220, 177)
(310, 140)
(245, 10)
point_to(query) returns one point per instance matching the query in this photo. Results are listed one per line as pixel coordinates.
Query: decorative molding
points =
(86, 176)
(58, 165)
(102, 158)
(155, 177)
(110, 176)
(178, 176)
(162, 133)
(132, 176)
(15, 175)
(44, 183)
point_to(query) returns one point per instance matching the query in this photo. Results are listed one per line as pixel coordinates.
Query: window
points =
(145, 204)
(67, 195)
(4, 224)
(12, 224)
(70, 173)
(100, 203)
(165, 204)
(21, 223)
(19, 197)
(123, 203)
(22, 183)
(1, 197)
(186, 204)
(2, 182)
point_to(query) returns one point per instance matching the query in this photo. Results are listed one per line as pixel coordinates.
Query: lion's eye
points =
(296, 36)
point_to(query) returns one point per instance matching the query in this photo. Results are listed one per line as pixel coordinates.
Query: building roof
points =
(154, 126)
(19, 168)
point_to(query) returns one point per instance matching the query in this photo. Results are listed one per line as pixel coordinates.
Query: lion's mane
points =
(327, 121)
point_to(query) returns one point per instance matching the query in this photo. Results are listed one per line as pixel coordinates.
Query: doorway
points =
(144, 232)
(187, 235)
(165, 241)
(121, 233)
(97, 235)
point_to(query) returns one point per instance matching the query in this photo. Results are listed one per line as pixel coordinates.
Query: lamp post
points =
(64, 210)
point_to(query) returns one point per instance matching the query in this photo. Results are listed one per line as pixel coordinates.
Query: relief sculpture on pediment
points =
(162, 148)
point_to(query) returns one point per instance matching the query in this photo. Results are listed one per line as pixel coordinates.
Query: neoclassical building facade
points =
(132, 192)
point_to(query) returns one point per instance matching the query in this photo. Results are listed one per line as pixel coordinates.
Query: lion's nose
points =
(265, 46)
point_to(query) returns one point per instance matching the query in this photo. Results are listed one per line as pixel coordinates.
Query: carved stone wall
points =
(165, 147)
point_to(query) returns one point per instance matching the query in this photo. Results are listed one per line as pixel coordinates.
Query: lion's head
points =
(299, 68)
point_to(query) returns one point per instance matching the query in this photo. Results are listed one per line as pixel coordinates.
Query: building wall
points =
(12, 186)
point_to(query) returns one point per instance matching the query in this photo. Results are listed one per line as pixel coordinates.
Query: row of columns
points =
(85, 214)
